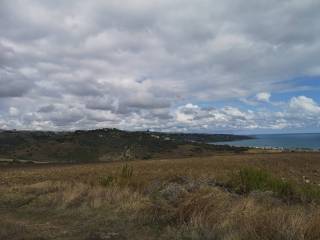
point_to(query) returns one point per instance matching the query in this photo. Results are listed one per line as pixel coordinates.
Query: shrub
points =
(250, 179)
(147, 157)
(309, 193)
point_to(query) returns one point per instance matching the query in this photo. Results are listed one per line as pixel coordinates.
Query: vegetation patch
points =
(107, 145)
(252, 179)
(121, 178)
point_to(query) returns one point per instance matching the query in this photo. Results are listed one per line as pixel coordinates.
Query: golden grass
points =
(164, 199)
(288, 165)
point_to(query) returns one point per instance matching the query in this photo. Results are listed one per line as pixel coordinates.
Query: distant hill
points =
(108, 145)
(200, 137)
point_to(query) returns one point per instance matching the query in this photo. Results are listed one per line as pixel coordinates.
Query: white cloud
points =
(299, 112)
(13, 112)
(304, 105)
(263, 97)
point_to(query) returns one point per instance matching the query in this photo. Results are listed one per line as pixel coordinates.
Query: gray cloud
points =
(46, 109)
(135, 65)
(13, 84)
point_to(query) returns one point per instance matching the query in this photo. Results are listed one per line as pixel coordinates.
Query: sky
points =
(232, 66)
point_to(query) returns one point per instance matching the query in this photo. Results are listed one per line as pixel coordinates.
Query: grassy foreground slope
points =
(107, 145)
(233, 197)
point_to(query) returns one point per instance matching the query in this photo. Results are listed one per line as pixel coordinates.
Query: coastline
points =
(269, 149)
(279, 142)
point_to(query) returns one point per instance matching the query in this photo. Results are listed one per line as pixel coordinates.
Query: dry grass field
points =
(269, 196)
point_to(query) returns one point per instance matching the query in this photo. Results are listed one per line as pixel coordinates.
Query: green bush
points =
(309, 193)
(250, 179)
(147, 157)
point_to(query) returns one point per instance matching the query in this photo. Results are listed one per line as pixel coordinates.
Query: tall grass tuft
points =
(126, 171)
(107, 181)
(120, 179)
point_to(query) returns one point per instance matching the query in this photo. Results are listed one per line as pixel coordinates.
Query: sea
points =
(280, 141)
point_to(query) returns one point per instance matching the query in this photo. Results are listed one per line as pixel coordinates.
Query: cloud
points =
(13, 112)
(299, 112)
(263, 97)
(86, 64)
(47, 108)
(13, 84)
(304, 105)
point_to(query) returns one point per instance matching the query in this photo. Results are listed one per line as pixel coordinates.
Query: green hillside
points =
(107, 145)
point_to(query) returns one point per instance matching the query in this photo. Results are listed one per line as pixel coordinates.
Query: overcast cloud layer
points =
(159, 65)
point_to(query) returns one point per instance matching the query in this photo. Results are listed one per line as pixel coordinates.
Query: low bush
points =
(309, 193)
(251, 179)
